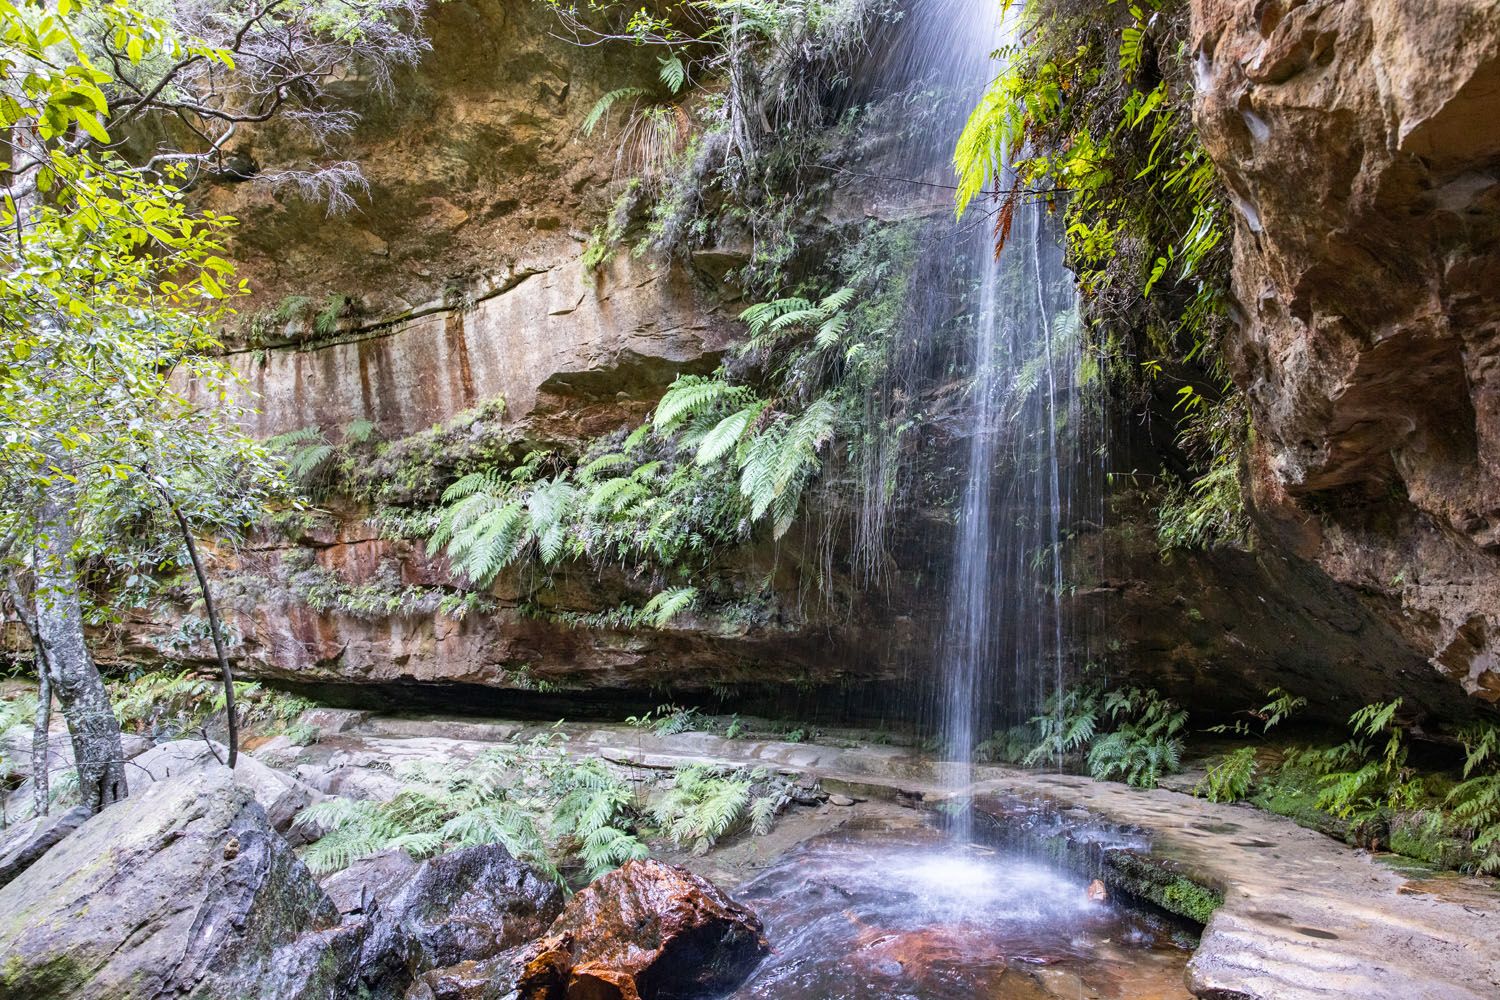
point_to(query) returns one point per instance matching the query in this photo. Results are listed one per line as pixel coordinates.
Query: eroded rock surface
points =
(646, 931)
(1359, 143)
(183, 889)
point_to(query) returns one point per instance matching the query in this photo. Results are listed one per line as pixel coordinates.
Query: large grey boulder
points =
(281, 795)
(26, 842)
(182, 890)
(464, 906)
(370, 883)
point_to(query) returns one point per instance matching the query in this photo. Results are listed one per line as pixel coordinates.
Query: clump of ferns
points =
(312, 461)
(1474, 803)
(170, 704)
(706, 804)
(1134, 735)
(1233, 777)
(566, 817)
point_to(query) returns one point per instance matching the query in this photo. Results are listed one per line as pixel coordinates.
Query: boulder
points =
(490, 979)
(26, 843)
(467, 905)
(645, 931)
(15, 746)
(181, 890)
(281, 795)
(370, 882)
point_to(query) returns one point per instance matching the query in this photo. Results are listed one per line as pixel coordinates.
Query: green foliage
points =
(601, 108)
(1231, 779)
(168, 705)
(706, 804)
(1132, 735)
(1267, 717)
(307, 454)
(1011, 745)
(669, 720)
(1094, 104)
(1365, 784)
(1069, 723)
(1475, 802)
(732, 137)
(561, 815)
(572, 818)
(1146, 743)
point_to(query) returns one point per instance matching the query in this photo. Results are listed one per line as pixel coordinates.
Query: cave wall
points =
(1360, 143)
(1362, 256)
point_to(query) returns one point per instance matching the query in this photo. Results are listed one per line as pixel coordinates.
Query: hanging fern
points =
(602, 106)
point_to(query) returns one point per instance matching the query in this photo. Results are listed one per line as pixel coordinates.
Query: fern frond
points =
(601, 107)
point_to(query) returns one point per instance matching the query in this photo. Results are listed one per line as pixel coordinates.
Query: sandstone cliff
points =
(1359, 143)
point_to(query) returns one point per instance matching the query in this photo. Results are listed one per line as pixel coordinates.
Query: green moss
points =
(1159, 882)
(1424, 836)
(55, 976)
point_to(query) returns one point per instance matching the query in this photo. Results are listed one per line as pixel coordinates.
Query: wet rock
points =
(24, 844)
(492, 979)
(281, 795)
(464, 906)
(646, 931)
(367, 883)
(181, 890)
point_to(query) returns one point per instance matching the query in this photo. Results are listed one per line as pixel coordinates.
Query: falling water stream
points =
(939, 915)
(1018, 356)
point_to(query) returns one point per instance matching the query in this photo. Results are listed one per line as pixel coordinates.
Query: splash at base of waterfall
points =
(910, 914)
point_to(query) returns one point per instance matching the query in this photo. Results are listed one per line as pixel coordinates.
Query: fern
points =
(673, 72)
(1361, 785)
(728, 434)
(1475, 802)
(307, 454)
(602, 106)
(1067, 725)
(667, 605)
(694, 395)
(1231, 779)
(530, 797)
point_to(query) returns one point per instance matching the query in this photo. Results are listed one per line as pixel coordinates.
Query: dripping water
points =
(1015, 351)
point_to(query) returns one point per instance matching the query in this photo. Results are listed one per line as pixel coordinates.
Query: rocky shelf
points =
(1291, 914)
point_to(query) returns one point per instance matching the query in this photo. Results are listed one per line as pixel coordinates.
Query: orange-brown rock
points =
(646, 931)
(1360, 142)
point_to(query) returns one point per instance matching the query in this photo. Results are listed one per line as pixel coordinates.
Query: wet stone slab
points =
(1294, 915)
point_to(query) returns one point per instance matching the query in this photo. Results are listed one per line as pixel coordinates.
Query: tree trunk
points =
(74, 678)
(214, 628)
(40, 738)
(41, 743)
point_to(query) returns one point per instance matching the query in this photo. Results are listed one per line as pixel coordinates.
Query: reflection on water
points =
(867, 915)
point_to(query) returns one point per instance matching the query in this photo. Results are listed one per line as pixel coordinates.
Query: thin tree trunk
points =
(40, 742)
(80, 690)
(214, 628)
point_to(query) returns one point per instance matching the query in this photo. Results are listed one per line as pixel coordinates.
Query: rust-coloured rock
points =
(646, 931)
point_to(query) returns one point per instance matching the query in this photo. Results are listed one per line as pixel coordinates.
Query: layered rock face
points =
(1360, 142)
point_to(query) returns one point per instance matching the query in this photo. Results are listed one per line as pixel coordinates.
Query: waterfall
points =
(1017, 356)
